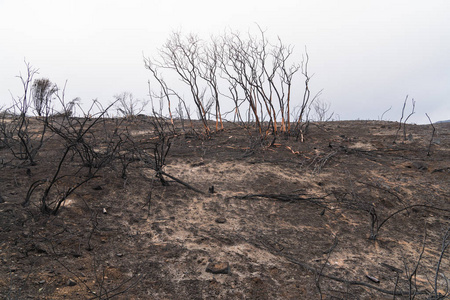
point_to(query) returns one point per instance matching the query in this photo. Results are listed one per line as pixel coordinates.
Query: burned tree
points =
(406, 119)
(84, 154)
(209, 72)
(16, 135)
(262, 72)
(302, 122)
(128, 106)
(247, 70)
(184, 57)
(43, 91)
(240, 68)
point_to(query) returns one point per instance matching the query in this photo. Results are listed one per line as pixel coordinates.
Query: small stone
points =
(104, 211)
(218, 268)
(70, 282)
(119, 254)
(211, 189)
(42, 282)
(98, 188)
(374, 279)
(221, 220)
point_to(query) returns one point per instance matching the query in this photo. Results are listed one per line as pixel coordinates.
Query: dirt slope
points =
(278, 217)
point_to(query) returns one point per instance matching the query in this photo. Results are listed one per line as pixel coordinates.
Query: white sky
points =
(366, 55)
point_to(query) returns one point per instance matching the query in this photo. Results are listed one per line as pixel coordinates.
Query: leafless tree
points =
(262, 73)
(153, 151)
(209, 72)
(432, 135)
(406, 119)
(165, 91)
(286, 76)
(183, 55)
(240, 66)
(83, 149)
(321, 110)
(302, 122)
(128, 106)
(16, 135)
(254, 74)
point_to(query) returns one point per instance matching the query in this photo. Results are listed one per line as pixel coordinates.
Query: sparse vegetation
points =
(268, 205)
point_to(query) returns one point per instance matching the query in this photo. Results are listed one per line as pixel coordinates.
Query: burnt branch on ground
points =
(376, 230)
(285, 198)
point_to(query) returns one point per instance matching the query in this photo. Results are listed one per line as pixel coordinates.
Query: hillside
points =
(346, 214)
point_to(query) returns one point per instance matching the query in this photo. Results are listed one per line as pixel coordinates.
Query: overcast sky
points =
(366, 55)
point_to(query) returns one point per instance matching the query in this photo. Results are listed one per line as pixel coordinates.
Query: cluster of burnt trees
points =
(82, 141)
(251, 73)
(85, 144)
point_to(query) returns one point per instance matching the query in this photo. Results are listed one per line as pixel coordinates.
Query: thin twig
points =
(432, 135)
(445, 245)
(403, 209)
